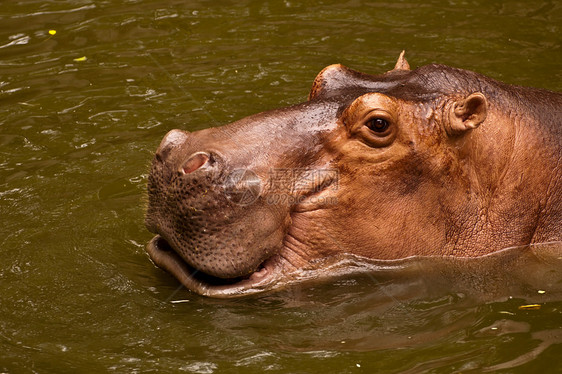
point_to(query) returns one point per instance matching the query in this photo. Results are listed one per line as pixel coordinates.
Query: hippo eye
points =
(378, 125)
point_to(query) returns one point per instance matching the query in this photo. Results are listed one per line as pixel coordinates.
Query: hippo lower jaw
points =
(264, 278)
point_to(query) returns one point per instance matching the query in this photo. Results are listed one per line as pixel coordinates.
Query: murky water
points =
(82, 110)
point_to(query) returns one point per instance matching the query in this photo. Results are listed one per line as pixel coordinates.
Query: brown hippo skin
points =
(435, 161)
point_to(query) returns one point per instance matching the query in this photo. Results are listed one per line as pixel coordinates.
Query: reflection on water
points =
(78, 293)
(469, 308)
(415, 303)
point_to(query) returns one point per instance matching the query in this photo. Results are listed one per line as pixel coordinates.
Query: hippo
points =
(432, 162)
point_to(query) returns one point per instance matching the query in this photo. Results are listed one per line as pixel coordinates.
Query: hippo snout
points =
(204, 203)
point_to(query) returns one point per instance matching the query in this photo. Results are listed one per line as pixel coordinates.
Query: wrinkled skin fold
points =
(435, 162)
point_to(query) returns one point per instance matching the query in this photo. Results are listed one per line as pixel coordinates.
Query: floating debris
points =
(530, 307)
(80, 59)
(52, 32)
(179, 301)
(541, 291)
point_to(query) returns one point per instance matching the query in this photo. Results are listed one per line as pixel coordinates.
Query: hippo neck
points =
(515, 157)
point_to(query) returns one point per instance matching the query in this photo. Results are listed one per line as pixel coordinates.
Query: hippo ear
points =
(466, 114)
(333, 78)
(401, 64)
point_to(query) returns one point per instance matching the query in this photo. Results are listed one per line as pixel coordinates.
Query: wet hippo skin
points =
(435, 161)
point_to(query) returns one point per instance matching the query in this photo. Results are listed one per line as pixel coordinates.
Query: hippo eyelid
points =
(363, 111)
(367, 103)
(379, 112)
(362, 118)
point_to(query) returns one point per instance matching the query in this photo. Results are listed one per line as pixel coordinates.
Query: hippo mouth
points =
(265, 277)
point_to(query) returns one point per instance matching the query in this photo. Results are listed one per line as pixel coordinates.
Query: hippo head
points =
(377, 166)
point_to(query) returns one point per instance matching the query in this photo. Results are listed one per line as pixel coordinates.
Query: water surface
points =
(81, 112)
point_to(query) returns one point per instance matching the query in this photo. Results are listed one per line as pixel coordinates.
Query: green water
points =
(77, 291)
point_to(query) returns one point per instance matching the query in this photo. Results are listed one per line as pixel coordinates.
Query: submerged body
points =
(436, 161)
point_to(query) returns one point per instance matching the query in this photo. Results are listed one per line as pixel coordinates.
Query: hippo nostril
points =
(171, 140)
(195, 162)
